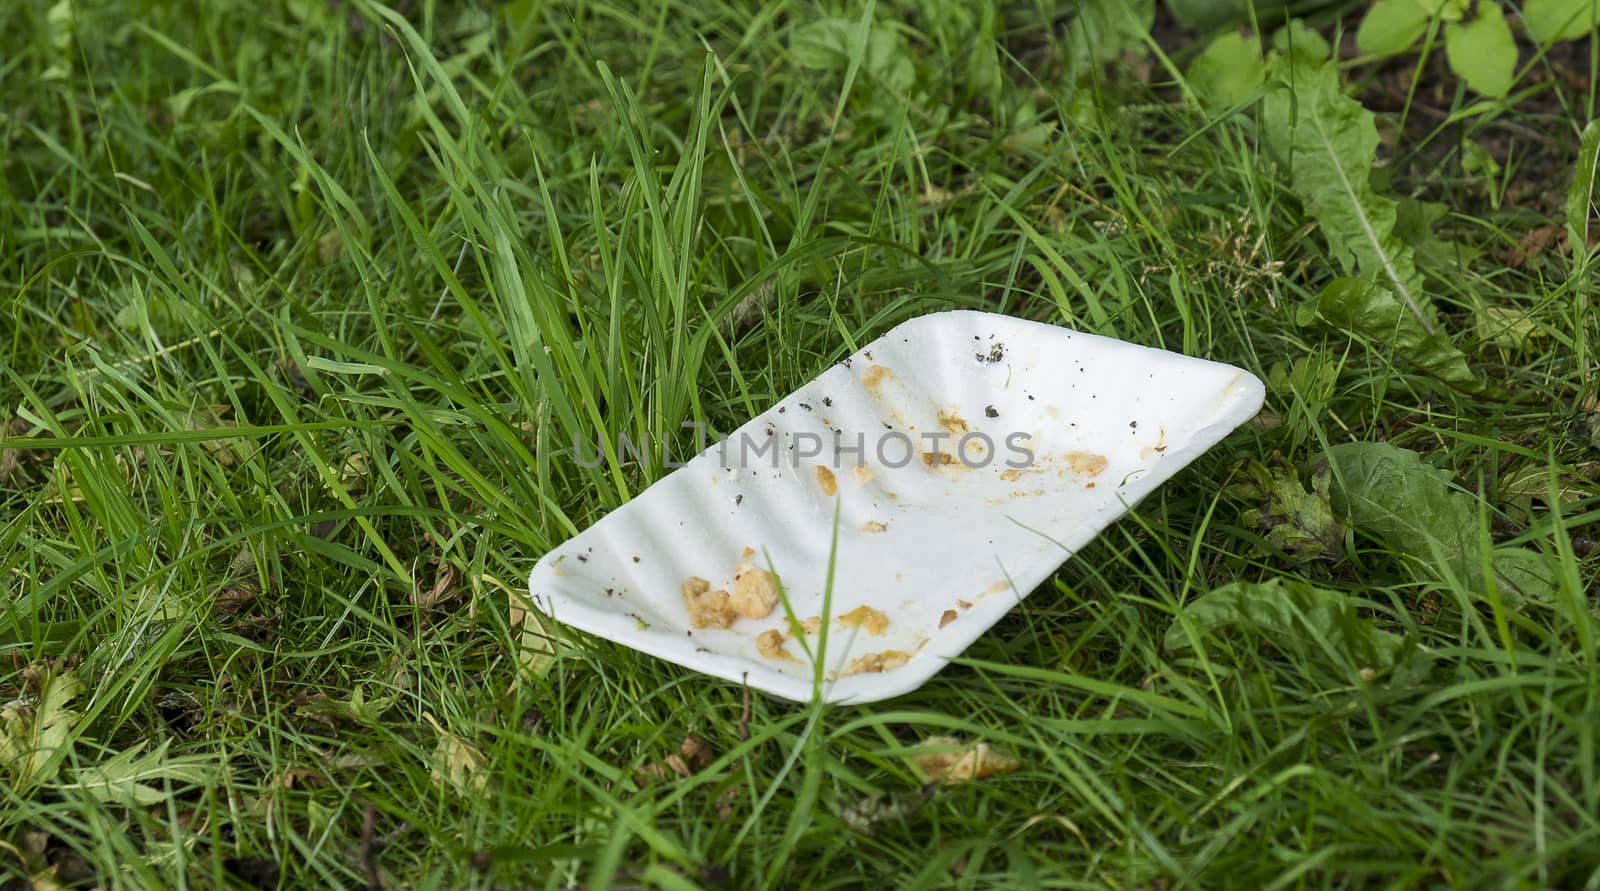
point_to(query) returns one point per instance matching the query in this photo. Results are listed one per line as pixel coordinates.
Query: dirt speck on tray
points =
(947, 617)
(861, 475)
(707, 608)
(770, 645)
(937, 459)
(754, 593)
(873, 526)
(1086, 463)
(826, 480)
(870, 620)
(952, 422)
(875, 663)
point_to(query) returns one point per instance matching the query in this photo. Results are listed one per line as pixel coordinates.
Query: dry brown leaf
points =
(958, 763)
(443, 591)
(693, 754)
(1534, 243)
(457, 764)
(535, 649)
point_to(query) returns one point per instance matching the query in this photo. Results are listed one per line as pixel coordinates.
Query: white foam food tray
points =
(966, 455)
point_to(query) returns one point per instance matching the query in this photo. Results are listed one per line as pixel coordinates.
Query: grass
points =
(306, 302)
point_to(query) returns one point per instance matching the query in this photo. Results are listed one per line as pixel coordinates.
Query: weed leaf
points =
(1482, 52)
(1389, 494)
(1299, 523)
(1330, 143)
(1229, 72)
(1550, 20)
(1294, 616)
(140, 780)
(1580, 196)
(1361, 308)
(1391, 27)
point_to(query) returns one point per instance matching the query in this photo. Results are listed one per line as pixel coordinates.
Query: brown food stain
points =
(874, 622)
(876, 663)
(874, 376)
(952, 422)
(937, 459)
(947, 617)
(873, 526)
(1012, 474)
(861, 475)
(707, 608)
(964, 604)
(826, 480)
(1086, 463)
(998, 586)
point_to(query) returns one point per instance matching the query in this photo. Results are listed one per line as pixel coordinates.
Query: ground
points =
(306, 301)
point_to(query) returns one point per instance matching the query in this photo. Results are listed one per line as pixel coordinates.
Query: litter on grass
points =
(964, 455)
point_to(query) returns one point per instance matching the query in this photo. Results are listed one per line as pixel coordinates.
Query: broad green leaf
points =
(1506, 327)
(1228, 72)
(136, 780)
(1389, 494)
(1391, 27)
(1580, 207)
(1371, 311)
(1482, 52)
(965, 35)
(1206, 15)
(1518, 491)
(1291, 615)
(1330, 144)
(1525, 574)
(1299, 522)
(1103, 30)
(829, 44)
(1301, 43)
(35, 738)
(1550, 20)
(1447, 10)
(1414, 223)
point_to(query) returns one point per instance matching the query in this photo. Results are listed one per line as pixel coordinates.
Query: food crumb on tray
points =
(873, 526)
(754, 594)
(707, 608)
(769, 644)
(827, 481)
